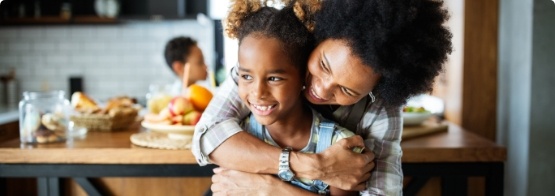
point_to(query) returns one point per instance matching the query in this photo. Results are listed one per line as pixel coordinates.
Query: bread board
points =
(425, 128)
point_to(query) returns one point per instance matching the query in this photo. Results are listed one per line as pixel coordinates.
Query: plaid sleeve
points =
(219, 121)
(381, 127)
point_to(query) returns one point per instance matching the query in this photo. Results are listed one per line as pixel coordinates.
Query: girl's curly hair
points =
(404, 41)
(254, 18)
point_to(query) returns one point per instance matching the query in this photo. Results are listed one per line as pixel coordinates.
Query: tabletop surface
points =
(455, 145)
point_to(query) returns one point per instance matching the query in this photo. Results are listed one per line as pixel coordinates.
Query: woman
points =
(389, 50)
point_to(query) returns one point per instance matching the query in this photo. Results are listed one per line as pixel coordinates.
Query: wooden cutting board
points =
(425, 128)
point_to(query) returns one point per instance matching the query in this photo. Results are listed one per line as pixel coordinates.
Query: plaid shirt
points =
(380, 127)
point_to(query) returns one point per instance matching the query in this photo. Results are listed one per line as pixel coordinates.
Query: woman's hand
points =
(233, 182)
(338, 166)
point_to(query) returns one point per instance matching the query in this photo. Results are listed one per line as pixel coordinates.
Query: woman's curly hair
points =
(254, 18)
(404, 41)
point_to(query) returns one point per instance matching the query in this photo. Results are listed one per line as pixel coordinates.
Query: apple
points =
(191, 118)
(177, 120)
(180, 106)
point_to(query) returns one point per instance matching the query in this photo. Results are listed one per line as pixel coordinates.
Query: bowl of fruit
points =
(415, 115)
(180, 114)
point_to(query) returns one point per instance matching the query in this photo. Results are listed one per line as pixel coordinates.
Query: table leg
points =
(48, 186)
(86, 184)
(416, 183)
(494, 181)
(454, 185)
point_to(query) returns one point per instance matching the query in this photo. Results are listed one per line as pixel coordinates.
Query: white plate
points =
(415, 118)
(179, 129)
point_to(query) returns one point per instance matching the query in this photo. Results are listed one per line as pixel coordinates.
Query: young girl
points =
(274, 46)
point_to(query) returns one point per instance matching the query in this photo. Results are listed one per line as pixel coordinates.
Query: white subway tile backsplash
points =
(112, 59)
(104, 58)
(94, 46)
(34, 32)
(9, 60)
(64, 45)
(108, 32)
(20, 46)
(56, 32)
(9, 33)
(133, 59)
(132, 31)
(82, 58)
(56, 59)
(82, 32)
(44, 46)
(3, 46)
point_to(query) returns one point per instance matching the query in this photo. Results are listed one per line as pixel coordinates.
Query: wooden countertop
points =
(455, 145)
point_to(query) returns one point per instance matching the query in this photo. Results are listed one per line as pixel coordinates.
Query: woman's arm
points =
(382, 128)
(233, 182)
(336, 191)
(218, 139)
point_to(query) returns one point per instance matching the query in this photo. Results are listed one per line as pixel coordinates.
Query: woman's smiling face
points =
(336, 76)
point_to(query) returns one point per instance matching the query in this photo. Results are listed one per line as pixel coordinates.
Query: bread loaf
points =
(80, 101)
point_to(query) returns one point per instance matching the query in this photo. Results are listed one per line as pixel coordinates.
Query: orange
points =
(199, 96)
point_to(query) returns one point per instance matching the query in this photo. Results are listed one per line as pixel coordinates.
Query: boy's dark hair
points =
(404, 41)
(252, 18)
(178, 49)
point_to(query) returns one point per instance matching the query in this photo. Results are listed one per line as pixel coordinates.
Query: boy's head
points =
(181, 52)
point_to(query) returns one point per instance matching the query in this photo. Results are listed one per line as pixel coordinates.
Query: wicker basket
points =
(104, 122)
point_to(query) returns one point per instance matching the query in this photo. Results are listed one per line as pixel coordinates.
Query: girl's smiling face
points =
(269, 83)
(336, 76)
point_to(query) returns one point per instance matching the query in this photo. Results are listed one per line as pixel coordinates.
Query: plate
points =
(415, 118)
(179, 129)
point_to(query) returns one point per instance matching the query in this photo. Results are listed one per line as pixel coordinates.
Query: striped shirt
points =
(380, 127)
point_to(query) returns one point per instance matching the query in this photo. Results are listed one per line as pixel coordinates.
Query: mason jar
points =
(43, 117)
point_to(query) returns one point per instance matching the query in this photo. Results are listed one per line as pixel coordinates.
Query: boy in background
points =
(181, 52)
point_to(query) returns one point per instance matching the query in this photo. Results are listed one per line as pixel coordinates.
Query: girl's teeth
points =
(263, 108)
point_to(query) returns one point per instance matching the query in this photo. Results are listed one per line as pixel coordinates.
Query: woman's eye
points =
(323, 66)
(246, 77)
(346, 91)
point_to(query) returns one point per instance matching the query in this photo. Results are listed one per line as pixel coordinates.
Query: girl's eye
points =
(246, 77)
(274, 79)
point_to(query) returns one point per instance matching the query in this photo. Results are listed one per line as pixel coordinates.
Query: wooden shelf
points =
(46, 20)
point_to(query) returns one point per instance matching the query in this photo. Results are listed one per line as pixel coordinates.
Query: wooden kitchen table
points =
(100, 154)
(453, 156)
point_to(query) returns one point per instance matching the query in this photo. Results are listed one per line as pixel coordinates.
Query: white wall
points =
(118, 59)
(526, 111)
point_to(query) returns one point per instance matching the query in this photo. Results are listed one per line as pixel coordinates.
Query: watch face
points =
(286, 175)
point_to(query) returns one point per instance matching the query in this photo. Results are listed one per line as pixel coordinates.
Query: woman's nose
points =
(326, 89)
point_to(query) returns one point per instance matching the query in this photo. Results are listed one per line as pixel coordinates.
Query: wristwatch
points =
(285, 172)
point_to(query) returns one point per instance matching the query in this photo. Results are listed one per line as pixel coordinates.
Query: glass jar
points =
(158, 97)
(43, 117)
